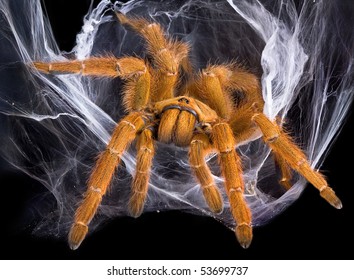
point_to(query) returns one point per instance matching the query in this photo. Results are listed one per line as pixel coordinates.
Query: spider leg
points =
(285, 171)
(122, 136)
(94, 66)
(216, 86)
(209, 89)
(245, 129)
(167, 56)
(282, 145)
(230, 164)
(200, 146)
(145, 148)
(133, 70)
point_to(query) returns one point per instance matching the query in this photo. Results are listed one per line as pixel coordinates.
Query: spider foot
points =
(136, 204)
(213, 198)
(77, 235)
(328, 194)
(244, 235)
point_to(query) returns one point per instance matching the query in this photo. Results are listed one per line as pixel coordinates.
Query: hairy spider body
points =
(199, 113)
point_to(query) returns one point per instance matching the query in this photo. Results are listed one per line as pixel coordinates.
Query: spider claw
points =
(244, 235)
(328, 194)
(77, 235)
(339, 205)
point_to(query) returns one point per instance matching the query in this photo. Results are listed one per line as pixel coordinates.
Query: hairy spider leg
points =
(209, 89)
(282, 145)
(285, 171)
(200, 147)
(216, 86)
(231, 169)
(133, 70)
(95, 66)
(167, 56)
(146, 149)
(238, 79)
(124, 133)
(241, 122)
(245, 90)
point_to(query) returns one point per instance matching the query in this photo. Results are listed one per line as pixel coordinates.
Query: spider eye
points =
(184, 100)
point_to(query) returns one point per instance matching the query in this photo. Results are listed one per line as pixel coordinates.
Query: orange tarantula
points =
(197, 111)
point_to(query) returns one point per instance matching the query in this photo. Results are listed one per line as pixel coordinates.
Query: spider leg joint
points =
(130, 124)
(96, 190)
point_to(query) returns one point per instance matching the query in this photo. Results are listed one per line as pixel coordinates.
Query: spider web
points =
(54, 126)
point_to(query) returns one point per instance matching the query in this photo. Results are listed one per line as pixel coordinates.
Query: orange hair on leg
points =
(230, 164)
(285, 171)
(282, 145)
(95, 66)
(199, 148)
(167, 56)
(102, 174)
(146, 150)
(133, 70)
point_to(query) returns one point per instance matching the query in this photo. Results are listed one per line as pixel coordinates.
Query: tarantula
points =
(198, 111)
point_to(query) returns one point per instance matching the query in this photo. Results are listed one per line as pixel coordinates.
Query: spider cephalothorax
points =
(197, 112)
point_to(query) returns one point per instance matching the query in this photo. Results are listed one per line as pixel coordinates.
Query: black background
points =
(309, 229)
